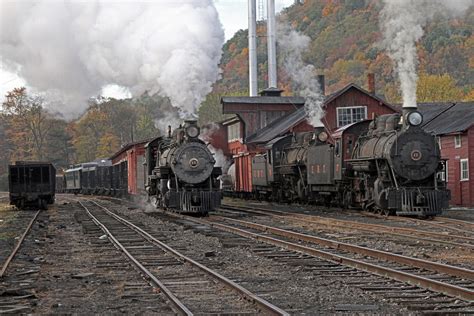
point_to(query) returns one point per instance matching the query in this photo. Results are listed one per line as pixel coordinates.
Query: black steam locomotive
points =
(389, 165)
(181, 173)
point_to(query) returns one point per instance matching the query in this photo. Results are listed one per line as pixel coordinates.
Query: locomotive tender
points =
(181, 172)
(389, 165)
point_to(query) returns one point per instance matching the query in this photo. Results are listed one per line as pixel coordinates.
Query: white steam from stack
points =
(292, 45)
(402, 22)
(74, 48)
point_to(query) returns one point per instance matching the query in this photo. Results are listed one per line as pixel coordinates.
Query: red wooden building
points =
(261, 119)
(453, 123)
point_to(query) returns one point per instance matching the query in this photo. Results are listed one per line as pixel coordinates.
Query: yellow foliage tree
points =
(437, 88)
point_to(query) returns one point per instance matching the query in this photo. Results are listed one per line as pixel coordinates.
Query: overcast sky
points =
(233, 16)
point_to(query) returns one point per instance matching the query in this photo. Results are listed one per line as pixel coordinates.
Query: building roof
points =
(278, 127)
(264, 100)
(455, 119)
(338, 93)
(432, 110)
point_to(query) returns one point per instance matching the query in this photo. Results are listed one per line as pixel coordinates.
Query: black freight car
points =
(31, 184)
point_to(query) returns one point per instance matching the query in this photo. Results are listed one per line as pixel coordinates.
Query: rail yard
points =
(101, 254)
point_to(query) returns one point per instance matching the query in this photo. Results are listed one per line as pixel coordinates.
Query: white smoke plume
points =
(402, 22)
(74, 48)
(292, 45)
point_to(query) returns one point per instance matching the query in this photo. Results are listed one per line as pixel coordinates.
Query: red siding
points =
(134, 157)
(353, 97)
(461, 191)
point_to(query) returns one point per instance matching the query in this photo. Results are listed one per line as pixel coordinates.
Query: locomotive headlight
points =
(323, 136)
(415, 118)
(192, 131)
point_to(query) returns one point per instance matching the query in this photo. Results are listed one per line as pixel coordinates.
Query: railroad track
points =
(14, 297)
(429, 286)
(32, 217)
(187, 284)
(464, 242)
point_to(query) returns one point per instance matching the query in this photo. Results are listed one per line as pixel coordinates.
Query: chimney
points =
(322, 84)
(271, 44)
(253, 83)
(371, 82)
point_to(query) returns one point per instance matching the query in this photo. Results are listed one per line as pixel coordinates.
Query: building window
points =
(349, 115)
(464, 169)
(457, 141)
(233, 132)
(443, 174)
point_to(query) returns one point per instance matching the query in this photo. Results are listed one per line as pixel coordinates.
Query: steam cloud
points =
(292, 45)
(402, 23)
(72, 49)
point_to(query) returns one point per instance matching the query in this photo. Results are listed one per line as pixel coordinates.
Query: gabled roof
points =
(336, 94)
(278, 127)
(264, 100)
(455, 119)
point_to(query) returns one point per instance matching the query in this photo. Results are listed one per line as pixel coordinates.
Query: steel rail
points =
(455, 221)
(440, 287)
(18, 245)
(436, 286)
(181, 308)
(363, 226)
(267, 306)
(379, 254)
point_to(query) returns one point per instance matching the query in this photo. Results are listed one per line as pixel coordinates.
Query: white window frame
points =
(457, 141)
(466, 169)
(235, 127)
(446, 171)
(351, 108)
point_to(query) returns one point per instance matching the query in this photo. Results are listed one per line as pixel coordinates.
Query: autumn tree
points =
(29, 124)
(437, 88)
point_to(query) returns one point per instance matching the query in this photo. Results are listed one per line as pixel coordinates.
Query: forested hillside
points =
(345, 46)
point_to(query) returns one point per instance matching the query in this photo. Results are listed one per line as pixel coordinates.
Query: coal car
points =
(31, 184)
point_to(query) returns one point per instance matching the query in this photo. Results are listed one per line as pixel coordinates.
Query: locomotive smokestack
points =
(271, 44)
(169, 131)
(253, 83)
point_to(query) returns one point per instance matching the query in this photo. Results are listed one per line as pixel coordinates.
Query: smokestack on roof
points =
(322, 84)
(371, 82)
(253, 83)
(271, 44)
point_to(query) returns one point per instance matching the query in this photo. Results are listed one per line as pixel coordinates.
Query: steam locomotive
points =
(181, 173)
(389, 165)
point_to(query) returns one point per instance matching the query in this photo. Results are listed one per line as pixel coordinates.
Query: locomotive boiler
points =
(396, 166)
(180, 172)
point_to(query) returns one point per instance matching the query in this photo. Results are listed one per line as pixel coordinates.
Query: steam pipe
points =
(271, 44)
(253, 83)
